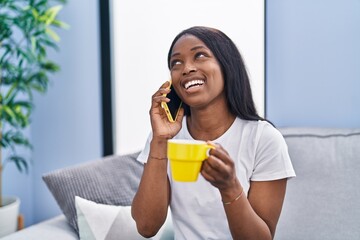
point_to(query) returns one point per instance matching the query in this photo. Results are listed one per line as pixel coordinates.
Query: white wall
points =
(143, 32)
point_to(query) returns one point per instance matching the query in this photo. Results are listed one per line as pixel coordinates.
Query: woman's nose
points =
(189, 68)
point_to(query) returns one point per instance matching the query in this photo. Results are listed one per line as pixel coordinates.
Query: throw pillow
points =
(106, 222)
(112, 180)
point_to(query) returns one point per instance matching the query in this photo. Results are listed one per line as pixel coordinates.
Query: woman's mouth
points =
(193, 83)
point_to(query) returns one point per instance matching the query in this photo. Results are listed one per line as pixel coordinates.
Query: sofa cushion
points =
(322, 202)
(112, 180)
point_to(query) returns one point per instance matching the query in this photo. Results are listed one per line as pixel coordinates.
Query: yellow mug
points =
(186, 157)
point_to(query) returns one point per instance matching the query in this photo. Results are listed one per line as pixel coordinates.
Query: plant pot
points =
(9, 213)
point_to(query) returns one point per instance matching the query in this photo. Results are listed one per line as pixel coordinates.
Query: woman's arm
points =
(252, 217)
(150, 204)
(256, 216)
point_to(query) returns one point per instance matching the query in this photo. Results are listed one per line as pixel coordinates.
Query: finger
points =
(217, 172)
(165, 85)
(163, 89)
(215, 175)
(217, 146)
(207, 177)
(214, 146)
(159, 97)
(220, 153)
(220, 168)
(161, 92)
(206, 172)
(180, 115)
(215, 164)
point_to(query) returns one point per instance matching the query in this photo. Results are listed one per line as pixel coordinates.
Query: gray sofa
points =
(322, 202)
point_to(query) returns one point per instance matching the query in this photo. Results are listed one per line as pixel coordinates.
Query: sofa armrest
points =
(54, 228)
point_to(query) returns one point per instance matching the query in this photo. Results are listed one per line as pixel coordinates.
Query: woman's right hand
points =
(161, 126)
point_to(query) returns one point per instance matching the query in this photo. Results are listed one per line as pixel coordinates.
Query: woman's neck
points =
(208, 124)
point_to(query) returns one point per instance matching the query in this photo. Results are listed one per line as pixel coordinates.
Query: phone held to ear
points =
(172, 108)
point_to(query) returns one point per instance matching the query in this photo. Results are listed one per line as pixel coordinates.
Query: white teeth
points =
(193, 83)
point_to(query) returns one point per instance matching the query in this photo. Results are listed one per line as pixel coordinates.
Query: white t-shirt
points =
(260, 154)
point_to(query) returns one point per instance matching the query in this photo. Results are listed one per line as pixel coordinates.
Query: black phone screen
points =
(175, 102)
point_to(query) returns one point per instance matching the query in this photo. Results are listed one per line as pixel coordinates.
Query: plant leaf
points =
(35, 13)
(33, 44)
(60, 24)
(50, 66)
(20, 163)
(51, 14)
(11, 138)
(52, 34)
(9, 111)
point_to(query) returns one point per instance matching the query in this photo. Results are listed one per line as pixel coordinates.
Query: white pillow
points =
(111, 180)
(107, 222)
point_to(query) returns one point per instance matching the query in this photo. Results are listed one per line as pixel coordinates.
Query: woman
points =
(240, 192)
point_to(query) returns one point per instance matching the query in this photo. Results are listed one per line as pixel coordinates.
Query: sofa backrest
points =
(323, 201)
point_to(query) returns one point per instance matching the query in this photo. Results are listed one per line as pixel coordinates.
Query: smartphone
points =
(172, 108)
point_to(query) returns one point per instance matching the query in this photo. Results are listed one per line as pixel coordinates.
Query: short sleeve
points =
(143, 156)
(272, 160)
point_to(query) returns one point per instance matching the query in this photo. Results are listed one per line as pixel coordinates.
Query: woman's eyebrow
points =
(175, 54)
(192, 49)
(197, 47)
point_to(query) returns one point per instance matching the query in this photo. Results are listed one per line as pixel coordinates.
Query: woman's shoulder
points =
(268, 134)
(261, 129)
(255, 124)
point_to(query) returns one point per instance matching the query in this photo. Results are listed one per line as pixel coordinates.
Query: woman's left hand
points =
(219, 169)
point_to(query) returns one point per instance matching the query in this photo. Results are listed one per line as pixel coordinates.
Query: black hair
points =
(237, 84)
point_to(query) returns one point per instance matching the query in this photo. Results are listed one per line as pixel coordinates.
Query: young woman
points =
(240, 192)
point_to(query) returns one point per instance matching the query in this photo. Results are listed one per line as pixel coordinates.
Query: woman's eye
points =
(200, 55)
(175, 62)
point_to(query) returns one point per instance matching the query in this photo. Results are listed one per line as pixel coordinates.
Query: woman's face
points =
(196, 73)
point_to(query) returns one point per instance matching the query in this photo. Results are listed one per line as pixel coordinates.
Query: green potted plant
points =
(26, 35)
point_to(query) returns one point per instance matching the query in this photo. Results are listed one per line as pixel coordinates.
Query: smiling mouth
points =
(193, 83)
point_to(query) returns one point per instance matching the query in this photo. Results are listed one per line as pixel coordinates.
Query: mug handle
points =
(209, 146)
